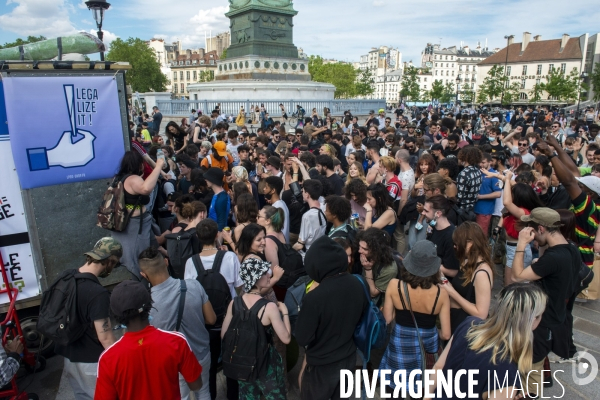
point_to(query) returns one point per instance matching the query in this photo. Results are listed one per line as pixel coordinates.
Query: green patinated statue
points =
(278, 4)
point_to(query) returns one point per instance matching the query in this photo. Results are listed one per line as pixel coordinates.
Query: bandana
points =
(251, 270)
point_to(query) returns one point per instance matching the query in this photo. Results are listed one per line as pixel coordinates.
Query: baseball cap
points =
(129, 295)
(105, 248)
(220, 147)
(495, 119)
(372, 112)
(592, 182)
(381, 110)
(544, 216)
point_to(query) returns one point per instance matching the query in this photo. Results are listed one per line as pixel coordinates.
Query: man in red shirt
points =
(145, 362)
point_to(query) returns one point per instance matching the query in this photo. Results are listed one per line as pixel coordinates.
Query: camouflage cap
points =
(105, 248)
(411, 125)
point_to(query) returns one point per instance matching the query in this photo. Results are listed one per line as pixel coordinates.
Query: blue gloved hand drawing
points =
(75, 148)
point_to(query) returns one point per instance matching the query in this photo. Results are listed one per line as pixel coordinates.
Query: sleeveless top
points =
(458, 315)
(388, 228)
(425, 321)
(509, 224)
(132, 199)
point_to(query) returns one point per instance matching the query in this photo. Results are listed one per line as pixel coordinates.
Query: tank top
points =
(458, 315)
(509, 224)
(425, 321)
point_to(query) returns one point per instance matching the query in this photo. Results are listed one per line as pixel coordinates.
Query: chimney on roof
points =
(466, 49)
(537, 38)
(511, 39)
(563, 42)
(526, 40)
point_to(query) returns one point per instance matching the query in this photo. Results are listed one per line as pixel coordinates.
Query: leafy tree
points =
(410, 86)
(448, 93)
(437, 90)
(467, 95)
(511, 93)
(562, 87)
(595, 81)
(224, 54)
(20, 42)
(342, 75)
(145, 74)
(364, 84)
(206, 76)
(493, 85)
(535, 94)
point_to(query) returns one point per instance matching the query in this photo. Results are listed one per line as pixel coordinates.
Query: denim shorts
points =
(510, 255)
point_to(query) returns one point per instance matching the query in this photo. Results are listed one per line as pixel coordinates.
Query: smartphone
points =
(160, 154)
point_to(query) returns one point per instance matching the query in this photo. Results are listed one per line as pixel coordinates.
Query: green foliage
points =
(364, 84)
(206, 76)
(410, 86)
(20, 42)
(562, 87)
(535, 94)
(511, 93)
(437, 90)
(449, 93)
(145, 74)
(348, 81)
(467, 95)
(224, 55)
(595, 81)
(493, 85)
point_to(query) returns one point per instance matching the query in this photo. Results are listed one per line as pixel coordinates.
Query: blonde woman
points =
(354, 145)
(355, 170)
(502, 344)
(240, 121)
(240, 174)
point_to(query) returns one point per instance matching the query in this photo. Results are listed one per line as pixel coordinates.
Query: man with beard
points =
(451, 150)
(410, 144)
(93, 302)
(325, 167)
(437, 151)
(273, 187)
(401, 127)
(372, 154)
(373, 135)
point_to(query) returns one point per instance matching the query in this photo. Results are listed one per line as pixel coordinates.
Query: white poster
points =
(14, 238)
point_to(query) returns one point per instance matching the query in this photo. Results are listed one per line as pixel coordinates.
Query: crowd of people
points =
(429, 208)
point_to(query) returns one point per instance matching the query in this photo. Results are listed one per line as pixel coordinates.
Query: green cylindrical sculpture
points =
(81, 43)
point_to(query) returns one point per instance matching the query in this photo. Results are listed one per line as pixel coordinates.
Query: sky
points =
(342, 30)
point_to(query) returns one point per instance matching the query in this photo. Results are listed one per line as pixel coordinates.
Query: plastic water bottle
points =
(354, 221)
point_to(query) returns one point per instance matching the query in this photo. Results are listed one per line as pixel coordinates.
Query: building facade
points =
(218, 43)
(447, 64)
(191, 68)
(530, 62)
(385, 64)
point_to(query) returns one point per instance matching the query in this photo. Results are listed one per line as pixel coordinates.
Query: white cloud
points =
(378, 3)
(82, 5)
(38, 17)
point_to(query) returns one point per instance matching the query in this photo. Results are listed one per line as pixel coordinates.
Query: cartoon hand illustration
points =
(74, 149)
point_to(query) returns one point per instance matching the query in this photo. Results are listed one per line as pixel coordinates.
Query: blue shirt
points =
(219, 209)
(488, 185)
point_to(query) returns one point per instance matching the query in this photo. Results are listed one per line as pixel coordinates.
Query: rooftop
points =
(542, 50)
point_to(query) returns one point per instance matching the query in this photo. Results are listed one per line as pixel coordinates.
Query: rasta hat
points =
(220, 147)
(129, 295)
(251, 270)
(105, 248)
(544, 216)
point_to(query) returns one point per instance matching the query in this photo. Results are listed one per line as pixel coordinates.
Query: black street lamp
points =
(457, 83)
(507, 37)
(98, 7)
(581, 77)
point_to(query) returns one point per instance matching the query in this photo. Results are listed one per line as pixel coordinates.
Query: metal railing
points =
(337, 107)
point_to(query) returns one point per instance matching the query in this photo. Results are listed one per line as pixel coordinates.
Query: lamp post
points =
(581, 78)
(508, 38)
(98, 7)
(457, 83)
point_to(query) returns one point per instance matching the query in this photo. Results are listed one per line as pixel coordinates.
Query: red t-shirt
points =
(146, 365)
(394, 188)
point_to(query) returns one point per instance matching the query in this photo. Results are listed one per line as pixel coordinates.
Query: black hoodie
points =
(331, 312)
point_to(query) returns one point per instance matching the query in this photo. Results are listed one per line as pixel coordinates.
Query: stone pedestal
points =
(261, 67)
(261, 90)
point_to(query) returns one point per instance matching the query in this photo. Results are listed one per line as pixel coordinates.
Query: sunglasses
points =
(523, 145)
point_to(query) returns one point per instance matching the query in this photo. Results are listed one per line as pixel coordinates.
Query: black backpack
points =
(180, 247)
(246, 343)
(291, 262)
(59, 319)
(214, 285)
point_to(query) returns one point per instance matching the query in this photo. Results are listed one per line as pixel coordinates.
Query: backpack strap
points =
(182, 292)
(218, 261)
(362, 282)
(320, 213)
(198, 265)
